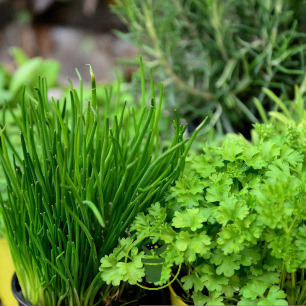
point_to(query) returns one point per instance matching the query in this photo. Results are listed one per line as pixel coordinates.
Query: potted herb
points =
(237, 215)
(78, 184)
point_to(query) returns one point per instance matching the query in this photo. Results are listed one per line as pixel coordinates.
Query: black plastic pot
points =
(17, 292)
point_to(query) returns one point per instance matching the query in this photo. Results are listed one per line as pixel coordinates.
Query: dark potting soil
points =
(147, 297)
(158, 297)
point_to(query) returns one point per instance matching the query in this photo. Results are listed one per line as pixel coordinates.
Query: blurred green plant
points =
(219, 53)
(11, 85)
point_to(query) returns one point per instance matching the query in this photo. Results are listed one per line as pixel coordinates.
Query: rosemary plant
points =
(217, 55)
(77, 186)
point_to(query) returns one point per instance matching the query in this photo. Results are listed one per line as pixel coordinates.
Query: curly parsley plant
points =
(237, 214)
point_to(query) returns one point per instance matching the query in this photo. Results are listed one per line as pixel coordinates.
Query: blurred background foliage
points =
(216, 54)
(74, 32)
(239, 62)
(213, 57)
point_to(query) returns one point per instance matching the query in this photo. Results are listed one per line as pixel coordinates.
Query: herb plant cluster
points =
(79, 182)
(238, 216)
(219, 54)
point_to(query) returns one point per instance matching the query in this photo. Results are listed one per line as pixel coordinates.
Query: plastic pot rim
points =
(17, 296)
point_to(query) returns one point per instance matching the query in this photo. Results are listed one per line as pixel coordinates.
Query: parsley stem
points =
(303, 293)
(283, 277)
(293, 286)
(292, 224)
(264, 252)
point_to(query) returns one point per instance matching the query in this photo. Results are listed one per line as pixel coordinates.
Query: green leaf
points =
(253, 158)
(278, 168)
(122, 248)
(25, 73)
(276, 200)
(237, 236)
(228, 290)
(279, 116)
(230, 210)
(269, 150)
(133, 271)
(193, 244)
(192, 281)
(219, 189)
(254, 289)
(247, 302)
(230, 240)
(151, 222)
(274, 297)
(214, 298)
(301, 239)
(188, 190)
(191, 218)
(231, 149)
(96, 212)
(110, 272)
(271, 263)
(293, 157)
(213, 281)
(236, 169)
(227, 264)
(207, 163)
(268, 277)
(250, 256)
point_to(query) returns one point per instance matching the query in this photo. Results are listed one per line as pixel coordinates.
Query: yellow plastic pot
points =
(6, 274)
(175, 299)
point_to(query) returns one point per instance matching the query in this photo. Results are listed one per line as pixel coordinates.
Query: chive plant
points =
(82, 177)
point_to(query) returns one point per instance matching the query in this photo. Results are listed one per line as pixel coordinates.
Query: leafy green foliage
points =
(219, 53)
(81, 179)
(191, 218)
(11, 86)
(242, 230)
(254, 294)
(114, 271)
